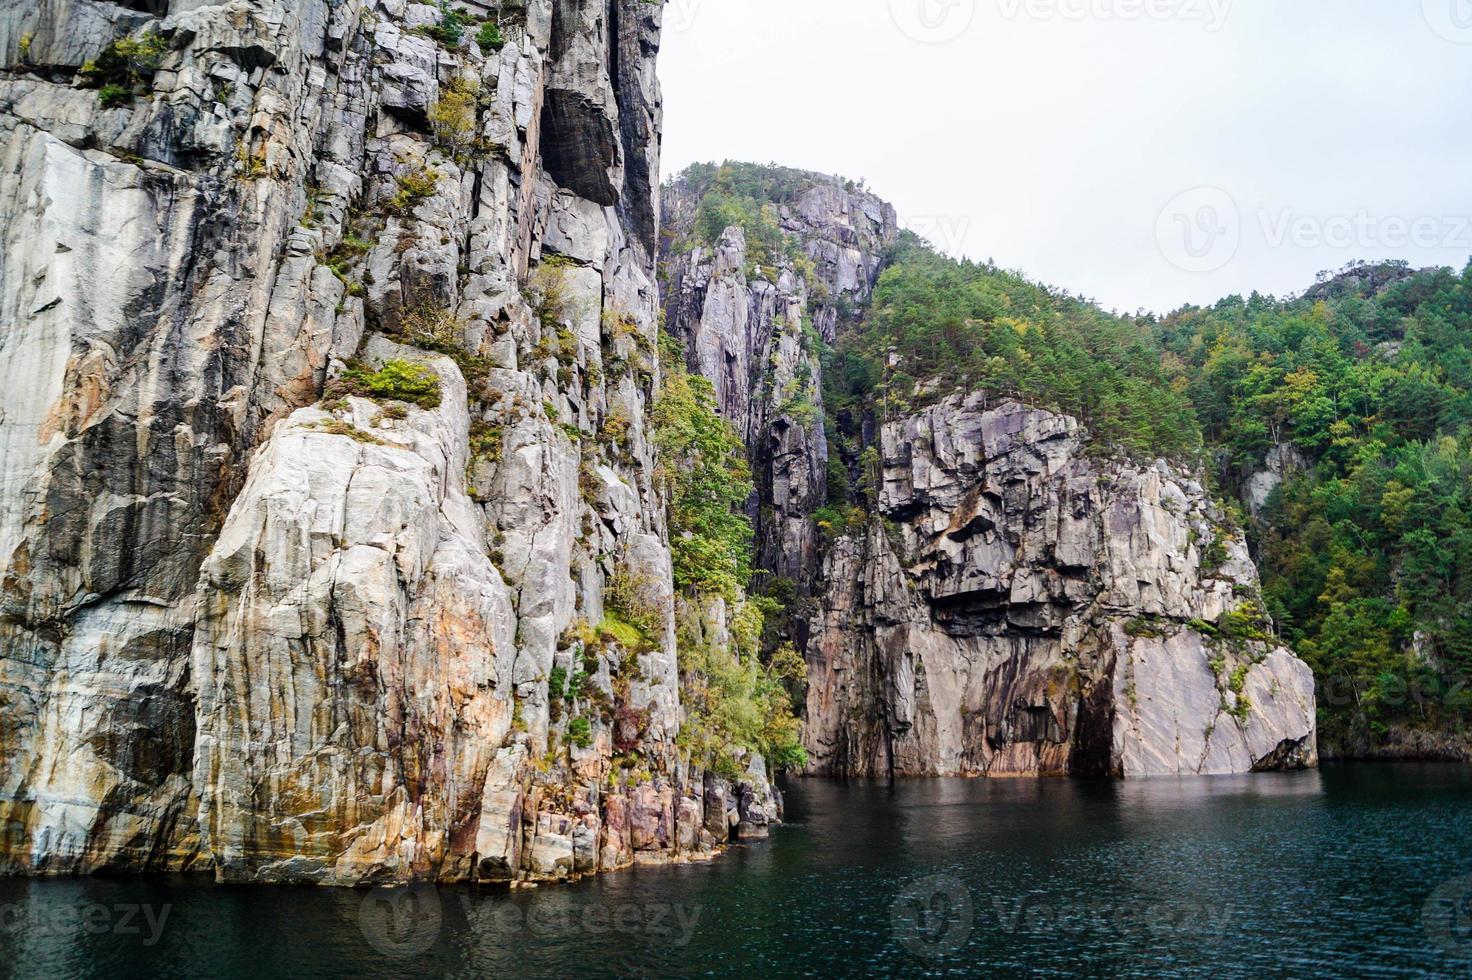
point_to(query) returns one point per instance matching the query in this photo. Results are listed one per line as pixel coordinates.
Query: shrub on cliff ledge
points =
(123, 67)
(629, 602)
(396, 381)
(452, 117)
(112, 96)
(580, 732)
(415, 188)
(549, 291)
(489, 38)
(450, 31)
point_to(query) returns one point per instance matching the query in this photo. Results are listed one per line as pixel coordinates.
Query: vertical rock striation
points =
(1015, 604)
(305, 638)
(1022, 607)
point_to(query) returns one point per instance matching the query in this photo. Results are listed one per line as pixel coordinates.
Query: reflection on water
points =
(1355, 870)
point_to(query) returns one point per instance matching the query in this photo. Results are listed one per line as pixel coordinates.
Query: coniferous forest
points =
(1335, 426)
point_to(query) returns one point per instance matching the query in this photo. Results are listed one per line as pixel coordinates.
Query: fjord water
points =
(1356, 870)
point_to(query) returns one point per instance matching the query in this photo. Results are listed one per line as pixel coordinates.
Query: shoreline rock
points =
(1034, 609)
(256, 616)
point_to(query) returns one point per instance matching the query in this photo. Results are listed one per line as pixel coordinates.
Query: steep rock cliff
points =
(1021, 607)
(297, 638)
(755, 331)
(1014, 603)
(328, 345)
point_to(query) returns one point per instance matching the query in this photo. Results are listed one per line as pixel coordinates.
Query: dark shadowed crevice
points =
(1093, 735)
(579, 140)
(158, 8)
(633, 38)
(579, 146)
(579, 143)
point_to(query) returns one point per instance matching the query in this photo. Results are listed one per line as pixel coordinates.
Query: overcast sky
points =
(1145, 153)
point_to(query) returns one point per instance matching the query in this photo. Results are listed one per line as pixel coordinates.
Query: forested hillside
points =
(1360, 390)
(1336, 426)
(938, 324)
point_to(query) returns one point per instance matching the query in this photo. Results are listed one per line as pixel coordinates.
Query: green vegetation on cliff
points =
(703, 467)
(937, 325)
(1365, 386)
(1360, 391)
(735, 703)
(397, 380)
(745, 196)
(1365, 383)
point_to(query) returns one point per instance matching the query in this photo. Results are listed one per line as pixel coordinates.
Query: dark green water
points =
(1352, 871)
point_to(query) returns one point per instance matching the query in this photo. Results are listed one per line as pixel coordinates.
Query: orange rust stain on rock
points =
(88, 388)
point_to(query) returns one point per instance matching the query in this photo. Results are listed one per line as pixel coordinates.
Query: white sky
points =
(1058, 136)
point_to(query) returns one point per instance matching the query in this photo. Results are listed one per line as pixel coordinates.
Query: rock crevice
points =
(1022, 607)
(310, 335)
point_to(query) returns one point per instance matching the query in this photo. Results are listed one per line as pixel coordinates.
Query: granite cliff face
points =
(1014, 604)
(755, 332)
(1021, 607)
(329, 341)
(252, 619)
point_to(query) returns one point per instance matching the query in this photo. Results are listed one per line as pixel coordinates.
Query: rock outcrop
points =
(295, 637)
(755, 332)
(1015, 605)
(1283, 460)
(1021, 607)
